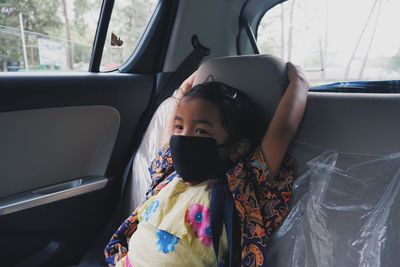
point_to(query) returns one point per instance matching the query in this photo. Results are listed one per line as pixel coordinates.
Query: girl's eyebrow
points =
(203, 121)
(200, 121)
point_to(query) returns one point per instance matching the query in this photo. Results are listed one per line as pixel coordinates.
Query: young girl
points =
(215, 140)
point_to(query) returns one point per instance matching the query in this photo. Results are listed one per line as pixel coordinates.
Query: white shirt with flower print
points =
(175, 228)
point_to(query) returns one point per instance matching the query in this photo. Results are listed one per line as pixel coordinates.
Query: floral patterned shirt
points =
(262, 203)
(175, 229)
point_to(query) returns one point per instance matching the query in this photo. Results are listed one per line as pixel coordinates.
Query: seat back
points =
(262, 77)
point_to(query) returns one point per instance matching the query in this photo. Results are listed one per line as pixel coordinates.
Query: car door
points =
(66, 138)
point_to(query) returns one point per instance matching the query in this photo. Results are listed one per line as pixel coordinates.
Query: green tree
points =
(80, 31)
(40, 16)
(80, 9)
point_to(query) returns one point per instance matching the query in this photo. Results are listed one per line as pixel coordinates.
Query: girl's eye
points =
(178, 127)
(202, 131)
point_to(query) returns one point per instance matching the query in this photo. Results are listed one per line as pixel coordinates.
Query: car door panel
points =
(48, 146)
(54, 234)
(66, 139)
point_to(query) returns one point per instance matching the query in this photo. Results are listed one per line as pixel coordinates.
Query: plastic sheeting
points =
(342, 217)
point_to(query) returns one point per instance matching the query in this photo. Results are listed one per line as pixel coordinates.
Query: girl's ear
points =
(240, 149)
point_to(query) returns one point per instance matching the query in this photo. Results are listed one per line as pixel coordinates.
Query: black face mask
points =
(196, 158)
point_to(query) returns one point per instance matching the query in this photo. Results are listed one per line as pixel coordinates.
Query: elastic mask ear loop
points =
(227, 144)
(228, 163)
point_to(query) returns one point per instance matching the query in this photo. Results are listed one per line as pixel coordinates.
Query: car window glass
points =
(47, 35)
(128, 23)
(335, 40)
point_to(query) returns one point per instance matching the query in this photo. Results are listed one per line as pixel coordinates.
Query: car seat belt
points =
(223, 212)
(188, 66)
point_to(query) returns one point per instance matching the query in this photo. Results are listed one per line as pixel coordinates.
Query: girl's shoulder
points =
(255, 168)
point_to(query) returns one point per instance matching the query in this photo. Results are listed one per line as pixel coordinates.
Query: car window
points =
(128, 23)
(58, 35)
(47, 35)
(334, 41)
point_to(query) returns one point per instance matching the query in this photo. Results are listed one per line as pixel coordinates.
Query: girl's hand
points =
(185, 87)
(297, 76)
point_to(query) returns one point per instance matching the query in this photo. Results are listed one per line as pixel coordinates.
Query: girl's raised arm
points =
(185, 87)
(286, 119)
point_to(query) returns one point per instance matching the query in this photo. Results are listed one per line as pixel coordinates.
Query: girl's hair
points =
(239, 116)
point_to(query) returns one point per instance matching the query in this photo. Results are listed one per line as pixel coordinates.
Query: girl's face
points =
(198, 117)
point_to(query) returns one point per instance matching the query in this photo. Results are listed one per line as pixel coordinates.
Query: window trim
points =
(371, 87)
(100, 36)
(252, 12)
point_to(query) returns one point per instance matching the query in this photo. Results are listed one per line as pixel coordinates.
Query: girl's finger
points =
(188, 83)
